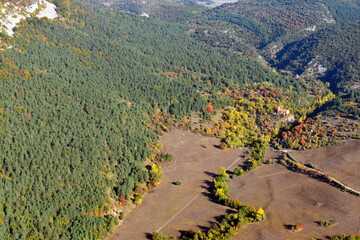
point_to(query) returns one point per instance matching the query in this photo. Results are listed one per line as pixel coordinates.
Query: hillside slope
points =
(245, 26)
(336, 49)
(332, 55)
(268, 25)
(76, 97)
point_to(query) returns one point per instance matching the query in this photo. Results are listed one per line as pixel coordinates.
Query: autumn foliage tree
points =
(223, 146)
(210, 108)
(156, 173)
(298, 226)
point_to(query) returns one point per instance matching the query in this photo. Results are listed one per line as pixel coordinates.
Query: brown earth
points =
(289, 198)
(341, 161)
(172, 208)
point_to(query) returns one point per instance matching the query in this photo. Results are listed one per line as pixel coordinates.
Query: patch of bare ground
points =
(289, 198)
(215, 3)
(341, 161)
(172, 209)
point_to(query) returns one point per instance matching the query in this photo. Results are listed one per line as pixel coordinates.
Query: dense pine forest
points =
(78, 93)
(76, 96)
(291, 35)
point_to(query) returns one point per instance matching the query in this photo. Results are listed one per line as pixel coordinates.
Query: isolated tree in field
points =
(298, 226)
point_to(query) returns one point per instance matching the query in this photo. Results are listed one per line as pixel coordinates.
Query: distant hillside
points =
(343, 11)
(333, 55)
(259, 22)
(241, 26)
(170, 10)
(335, 48)
(134, 6)
(281, 17)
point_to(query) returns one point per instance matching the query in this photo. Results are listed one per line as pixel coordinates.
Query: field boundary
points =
(297, 166)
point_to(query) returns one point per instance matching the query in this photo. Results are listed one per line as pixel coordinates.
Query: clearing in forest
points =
(171, 208)
(287, 197)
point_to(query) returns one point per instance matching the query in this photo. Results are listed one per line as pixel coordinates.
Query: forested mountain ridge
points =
(257, 23)
(333, 55)
(76, 97)
(334, 47)
(268, 25)
(150, 7)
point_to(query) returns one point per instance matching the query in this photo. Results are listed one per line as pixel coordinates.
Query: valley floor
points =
(172, 209)
(287, 197)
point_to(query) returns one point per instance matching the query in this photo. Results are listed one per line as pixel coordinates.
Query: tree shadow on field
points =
(208, 186)
(230, 210)
(219, 218)
(217, 146)
(211, 174)
(289, 226)
(149, 235)
(203, 228)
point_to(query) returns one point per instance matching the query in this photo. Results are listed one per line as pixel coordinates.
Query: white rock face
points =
(315, 68)
(322, 69)
(312, 28)
(144, 15)
(12, 15)
(10, 19)
(49, 11)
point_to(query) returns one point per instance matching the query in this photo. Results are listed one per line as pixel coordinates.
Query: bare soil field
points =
(341, 161)
(172, 209)
(289, 198)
